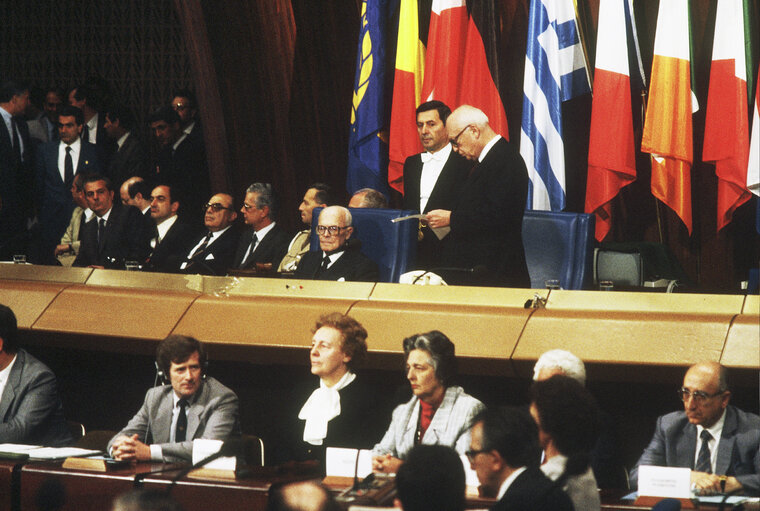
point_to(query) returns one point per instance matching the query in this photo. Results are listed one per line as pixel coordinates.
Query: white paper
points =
(665, 482)
(440, 232)
(57, 453)
(203, 448)
(342, 462)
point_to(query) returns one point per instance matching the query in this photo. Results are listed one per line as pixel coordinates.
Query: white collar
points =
(181, 139)
(164, 226)
(122, 139)
(488, 147)
(106, 215)
(264, 231)
(440, 155)
(509, 480)
(716, 429)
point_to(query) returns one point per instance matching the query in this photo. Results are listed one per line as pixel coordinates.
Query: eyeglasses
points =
(698, 395)
(455, 141)
(247, 206)
(215, 206)
(471, 453)
(331, 229)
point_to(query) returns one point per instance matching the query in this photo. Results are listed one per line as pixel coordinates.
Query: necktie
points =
(15, 140)
(101, 233)
(202, 246)
(325, 264)
(703, 460)
(68, 168)
(249, 253)
(181, 429)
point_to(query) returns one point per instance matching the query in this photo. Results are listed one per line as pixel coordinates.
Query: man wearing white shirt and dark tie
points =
(213, 251)
(433, 179)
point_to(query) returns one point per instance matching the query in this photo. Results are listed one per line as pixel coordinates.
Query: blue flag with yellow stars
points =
(368, 139)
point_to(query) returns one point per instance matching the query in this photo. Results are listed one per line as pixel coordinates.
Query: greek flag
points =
(555, 71)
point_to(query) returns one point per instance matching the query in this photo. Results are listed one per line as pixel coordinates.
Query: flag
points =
(726, 123)
(611, 153)
(367, 141)
(753, 167)
(456, 67)
(555, 71)
(667, 129)
(407, 91)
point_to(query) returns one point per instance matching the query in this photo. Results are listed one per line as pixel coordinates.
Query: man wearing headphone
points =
(189, 405)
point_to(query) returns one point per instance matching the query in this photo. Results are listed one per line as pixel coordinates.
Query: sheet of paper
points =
(342, 462)
(57, 453)
(665, 482)
(203, 448)
(440, 232)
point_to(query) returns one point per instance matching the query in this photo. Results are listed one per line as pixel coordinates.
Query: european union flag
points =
(368, 140)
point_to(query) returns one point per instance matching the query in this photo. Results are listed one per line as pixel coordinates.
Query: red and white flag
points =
(726, 124)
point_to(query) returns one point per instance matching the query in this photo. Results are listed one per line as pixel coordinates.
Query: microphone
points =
(230, 447)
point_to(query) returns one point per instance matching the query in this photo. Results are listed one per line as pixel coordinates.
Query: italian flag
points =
(726, 125)
(457, 69)
(611, 154)
(407, 91)
(667, 130)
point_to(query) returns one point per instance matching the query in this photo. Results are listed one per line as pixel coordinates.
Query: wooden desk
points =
(8, 490)
(84, 490)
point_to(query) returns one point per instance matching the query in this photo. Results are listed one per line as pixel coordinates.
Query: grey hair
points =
(467, 114)
(264, 197)
(373, 199)
(569, 364)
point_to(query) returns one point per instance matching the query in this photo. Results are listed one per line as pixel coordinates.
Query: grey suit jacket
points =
(450, 425)
(675, 442)
(71, 237)
(30, 408)
(213, 414)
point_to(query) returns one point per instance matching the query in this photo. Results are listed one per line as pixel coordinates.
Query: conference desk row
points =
(23, 484)
(268, 320)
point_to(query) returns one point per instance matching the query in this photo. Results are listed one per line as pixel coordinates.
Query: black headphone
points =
(164, 378)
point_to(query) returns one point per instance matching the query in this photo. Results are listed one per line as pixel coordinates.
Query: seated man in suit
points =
(30, 408)
(486, 222)
(265, 244)
(190, 405)
(719, 442)
(318, 195)
(433, 179)
(339, 259)
(368, 198)
(172, 237)
(504, 453)
(432, 477)
(67, 250)
(212, 252)
(116, 234)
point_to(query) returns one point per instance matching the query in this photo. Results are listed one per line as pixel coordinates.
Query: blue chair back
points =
(560, 246)
(393, 246)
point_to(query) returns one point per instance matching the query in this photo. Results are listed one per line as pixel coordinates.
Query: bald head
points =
(705, 393)
(304, 496)
(469, 131)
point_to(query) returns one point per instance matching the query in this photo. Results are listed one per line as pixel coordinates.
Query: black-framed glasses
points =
(331, 229)
(471, 453)
(698, 395)
(455, 141)
(215, 206)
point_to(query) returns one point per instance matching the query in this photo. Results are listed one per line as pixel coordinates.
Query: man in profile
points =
(338, 259)
(368, 198)
(433, 179)
(486, 222)
(135, 191)
(317, 196)
(432, 477)
(504, 453)
(189, 405)
(30, 408)
(717, 441)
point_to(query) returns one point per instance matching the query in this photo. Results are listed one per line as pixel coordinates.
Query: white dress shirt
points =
(432, 166)
(488, 147)
(76, 148)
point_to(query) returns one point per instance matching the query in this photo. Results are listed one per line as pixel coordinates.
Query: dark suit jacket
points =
(30, 408)
(271, 249)
(445, 195)
(674, 444)
(56, 204)
(213, 414)
(127, 238)
(168, 255)
(130, 160)
(533, 491)
(16, 190)
(217, 257)
(186, 171)
(486, 225)
(351, 266)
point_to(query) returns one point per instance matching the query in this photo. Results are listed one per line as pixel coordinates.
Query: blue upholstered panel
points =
(560, 246)
(393, 246)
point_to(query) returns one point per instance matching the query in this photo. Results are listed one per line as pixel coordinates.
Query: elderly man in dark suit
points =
(486, 223)
(212, 252)
(57, 163)
(433, 179)
(719, 442)
(340, 257)
(266, 243)
(15, 175)
(116, 234)
(189, 405)
(30, 408)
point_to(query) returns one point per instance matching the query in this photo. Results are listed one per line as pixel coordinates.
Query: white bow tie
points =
(426, 157)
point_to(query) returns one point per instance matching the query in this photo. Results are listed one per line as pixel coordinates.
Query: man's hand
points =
(438, 218)
(710, 484)
(130, 448)
(62, 249)
(386, 463)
